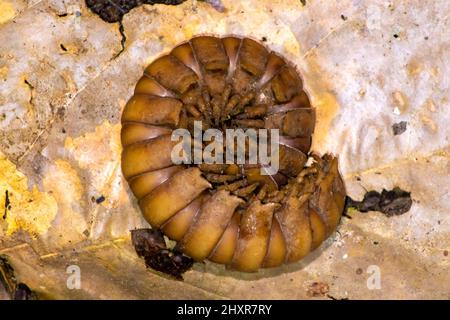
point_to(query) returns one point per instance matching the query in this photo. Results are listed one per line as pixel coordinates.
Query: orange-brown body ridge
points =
(227, 213)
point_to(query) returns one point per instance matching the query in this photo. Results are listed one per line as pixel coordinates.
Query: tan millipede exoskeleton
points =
(228, 213)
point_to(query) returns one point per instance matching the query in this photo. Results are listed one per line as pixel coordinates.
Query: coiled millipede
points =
(228, 213)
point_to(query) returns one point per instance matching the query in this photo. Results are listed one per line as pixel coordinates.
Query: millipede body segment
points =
(230, 213)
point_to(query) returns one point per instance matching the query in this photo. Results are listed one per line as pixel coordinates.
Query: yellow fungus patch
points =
(30, 210)
(7, 11)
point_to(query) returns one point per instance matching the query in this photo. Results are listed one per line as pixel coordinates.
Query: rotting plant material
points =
(392, 202)
(150, 245)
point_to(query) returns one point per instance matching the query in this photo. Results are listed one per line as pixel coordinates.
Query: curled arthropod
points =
(230, 213)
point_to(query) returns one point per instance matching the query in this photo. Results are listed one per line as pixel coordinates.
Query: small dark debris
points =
(63, 48)
(376, 243)
(114, 10)
(264, 39)
(393, 202)
(396, 36)
(358, 178)
(445, 253)
(63, 130)
(303, 2)
(28, 84)
(426, 38)
(150, 245)
(62, 15)
(334, 298)
(359, 271)
(343, 17)
(17, 291)
(100, 199)
(7, 204)
(399, 128)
